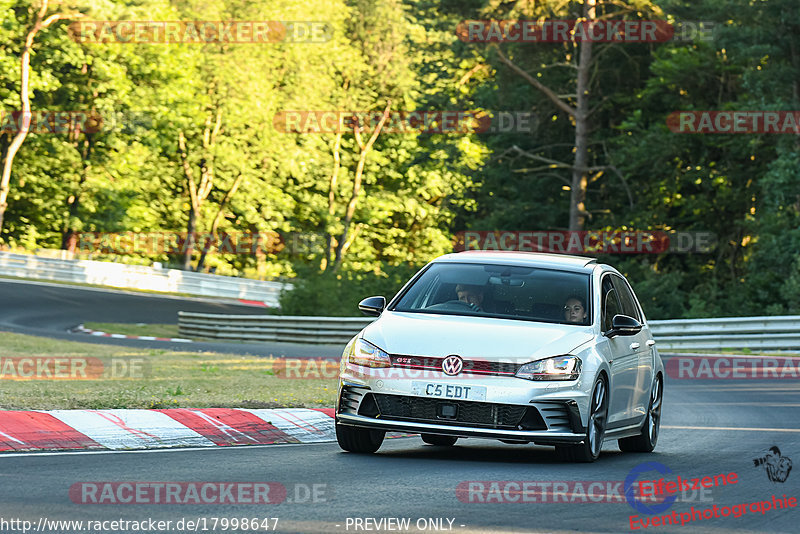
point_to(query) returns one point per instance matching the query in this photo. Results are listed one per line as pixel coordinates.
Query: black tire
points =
(439, 440)
(589, 449)
(361, 440)
(648, 437)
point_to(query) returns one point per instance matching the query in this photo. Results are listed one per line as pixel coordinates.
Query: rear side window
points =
(610, 304)
(626, 298)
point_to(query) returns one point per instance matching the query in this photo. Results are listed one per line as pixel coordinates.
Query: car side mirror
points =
(624, 325)
(372, 306)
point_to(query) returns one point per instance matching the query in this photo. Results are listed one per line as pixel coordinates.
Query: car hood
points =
(434, 335)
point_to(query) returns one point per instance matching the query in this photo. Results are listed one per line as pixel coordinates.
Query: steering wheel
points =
(451, 303)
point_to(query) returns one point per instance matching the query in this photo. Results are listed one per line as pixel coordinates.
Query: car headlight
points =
(366, 354)
(565, 367)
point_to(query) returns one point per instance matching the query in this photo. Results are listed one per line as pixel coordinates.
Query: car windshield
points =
(503, 291)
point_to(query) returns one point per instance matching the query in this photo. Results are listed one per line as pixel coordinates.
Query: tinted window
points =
(626, 299)
(511, 292)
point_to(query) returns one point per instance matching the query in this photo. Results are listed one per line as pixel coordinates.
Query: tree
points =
(341, 242)
(41, 22)
(581, 59)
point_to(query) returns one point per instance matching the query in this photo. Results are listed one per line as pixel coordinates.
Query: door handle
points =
(634, 346)
(650, 342)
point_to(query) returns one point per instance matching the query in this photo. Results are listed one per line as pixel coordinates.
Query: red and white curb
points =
(258, 303)
(83, 330)
(150, 429)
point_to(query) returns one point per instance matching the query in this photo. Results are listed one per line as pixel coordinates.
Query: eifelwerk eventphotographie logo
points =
(776, 465)
(659, 514)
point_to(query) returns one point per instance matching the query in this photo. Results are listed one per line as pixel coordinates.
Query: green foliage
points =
(418, 190)
(329, 294)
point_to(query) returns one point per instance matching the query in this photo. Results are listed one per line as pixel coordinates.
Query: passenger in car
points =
(575, 310)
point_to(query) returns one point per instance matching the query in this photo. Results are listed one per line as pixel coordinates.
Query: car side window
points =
(626, 299)
(611, 305)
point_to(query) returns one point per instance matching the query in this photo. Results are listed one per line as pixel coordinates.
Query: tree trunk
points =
(342, 244)
(208, 244)
(19, 138)
(351, 209)
(25, 63)
(198, 193)
(580, 179)
(189, 243)
(337, 163)
(580, 114)
(68, 237)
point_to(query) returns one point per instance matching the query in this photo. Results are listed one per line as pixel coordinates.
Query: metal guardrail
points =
(767, 332)
(730, 332)
(139, 277)
(292, 329)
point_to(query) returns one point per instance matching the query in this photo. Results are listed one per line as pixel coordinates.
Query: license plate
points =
(449, 391)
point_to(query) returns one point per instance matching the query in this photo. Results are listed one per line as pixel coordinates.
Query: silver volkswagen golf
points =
(516, 346)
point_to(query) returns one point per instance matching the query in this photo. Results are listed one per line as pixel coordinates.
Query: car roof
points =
(530, 259)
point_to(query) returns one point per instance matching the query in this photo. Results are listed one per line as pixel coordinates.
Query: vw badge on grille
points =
(452, 365)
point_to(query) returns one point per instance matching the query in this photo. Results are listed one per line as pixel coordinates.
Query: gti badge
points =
(452, 365)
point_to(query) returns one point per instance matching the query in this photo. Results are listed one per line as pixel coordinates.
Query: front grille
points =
(483, 414)
(482, 367)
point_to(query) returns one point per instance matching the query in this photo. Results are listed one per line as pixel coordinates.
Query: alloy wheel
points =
(597, 419)
(654, 418)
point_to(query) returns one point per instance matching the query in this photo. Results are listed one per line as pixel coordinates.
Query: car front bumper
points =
(537, 436)
(513, 409)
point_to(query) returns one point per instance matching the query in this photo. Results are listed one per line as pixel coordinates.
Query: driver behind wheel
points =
(472, 295)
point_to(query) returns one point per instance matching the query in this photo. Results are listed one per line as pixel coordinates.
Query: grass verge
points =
(169, 380)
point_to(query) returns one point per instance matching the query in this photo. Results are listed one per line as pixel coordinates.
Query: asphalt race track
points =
(711, 427)
(51, 310)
